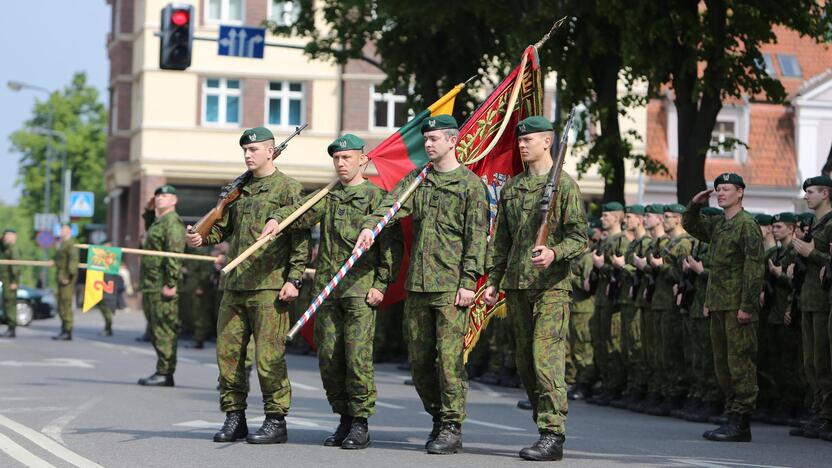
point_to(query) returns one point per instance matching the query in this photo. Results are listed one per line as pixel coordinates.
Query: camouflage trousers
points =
(540, 320)
(784, 351)
(65, 306)
(703, 385)
(672, 353)
(203, 316)
(735, 354)
(816, 360)
(607, 343)
(580, 346)
(631, 350)
(651, 339)
(435, 330)
(164, 329)
(257, 314)
(10, 308)
(344, 330)
(106, 313)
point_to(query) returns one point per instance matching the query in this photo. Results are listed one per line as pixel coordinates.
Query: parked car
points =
(31, 304)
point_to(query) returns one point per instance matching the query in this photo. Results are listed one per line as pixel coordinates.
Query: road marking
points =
(54, 428)
(22, 455)
(56, 362)
(24, 409)
(388, 405)
(485, 389)
(145, 352)
(492, 425)
(304, 386)
(20, 398)
(718, 464)
(48, 444)
(292, 422)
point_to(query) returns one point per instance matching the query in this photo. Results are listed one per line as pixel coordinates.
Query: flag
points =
(100, 260)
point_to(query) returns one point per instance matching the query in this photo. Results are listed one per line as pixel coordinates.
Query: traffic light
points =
(177, 36)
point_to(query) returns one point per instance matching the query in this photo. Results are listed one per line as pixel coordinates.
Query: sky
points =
(43, 43)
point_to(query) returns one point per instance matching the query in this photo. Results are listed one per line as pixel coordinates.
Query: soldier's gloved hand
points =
(542, 257)
(269, 230)
(374, 297)
(702, 197)
(490, 296)
(743, 317)
(288, 293)
(193, 239)
(365, 239)
(464, 297)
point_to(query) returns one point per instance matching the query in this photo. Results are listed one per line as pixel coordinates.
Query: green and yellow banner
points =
(100, 260)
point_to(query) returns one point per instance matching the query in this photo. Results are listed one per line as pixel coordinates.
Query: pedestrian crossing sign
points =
(81, 204)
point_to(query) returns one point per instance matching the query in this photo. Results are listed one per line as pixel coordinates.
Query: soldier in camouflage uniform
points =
(813, 255)
(733, 299)
(450, 228)
(607, 331)
(254, 301)
(536, 280)
(10, 276)
(345, 323)
(198, 281)
(580, 335)
(66, 272)
(159, 281)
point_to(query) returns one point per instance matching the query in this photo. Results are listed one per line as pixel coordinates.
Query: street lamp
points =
(66, 172)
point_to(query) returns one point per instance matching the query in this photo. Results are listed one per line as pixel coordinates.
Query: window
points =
(284, 13)
(284, 103)
(789, 65)
(221, 101)
(766, 64)
(389, 111)
(224, 11)
(724, 132)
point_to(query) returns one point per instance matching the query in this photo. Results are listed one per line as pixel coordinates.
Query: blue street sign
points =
(241, 41)
(81, 204)
(56, 229)
(45, 239)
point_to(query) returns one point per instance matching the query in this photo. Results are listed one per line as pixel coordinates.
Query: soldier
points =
(159, 280)
(10, 276)
(732, 300)
(450, 228)
(580, 315)
(536, 280)
(607, 331)
(764, 221)
(199, 279)
(345, 322)
(66, 269)
(813, 254)
(256, 294)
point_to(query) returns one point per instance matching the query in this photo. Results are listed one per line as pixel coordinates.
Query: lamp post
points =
(66, 172)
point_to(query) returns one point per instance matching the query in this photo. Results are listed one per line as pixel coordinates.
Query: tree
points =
(707, 52)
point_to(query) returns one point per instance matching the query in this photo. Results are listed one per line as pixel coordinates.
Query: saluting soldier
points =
(159, 280)
(733, 299)
(345, 322)
(256, 293)
(10, 276)
(450, 229)
(537, 280)
(66, 271)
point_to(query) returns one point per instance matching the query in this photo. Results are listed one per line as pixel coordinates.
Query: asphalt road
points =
(77, 404)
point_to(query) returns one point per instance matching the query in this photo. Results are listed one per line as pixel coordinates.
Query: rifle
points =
(549, 199)
(229, 193)
(687, 284)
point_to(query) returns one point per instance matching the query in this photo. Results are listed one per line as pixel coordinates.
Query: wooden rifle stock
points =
(548, 202)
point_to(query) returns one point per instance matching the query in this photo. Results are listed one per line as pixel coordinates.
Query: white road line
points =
(388, 405)
(54, 428)
(146, 352)
(293, 423)
(718, 464)
(492, 425)
(485, 389)
(304, 386)
(22, 455)
(48, 444)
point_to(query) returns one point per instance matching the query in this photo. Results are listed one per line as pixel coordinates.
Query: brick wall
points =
(356, 105)
(254, 99)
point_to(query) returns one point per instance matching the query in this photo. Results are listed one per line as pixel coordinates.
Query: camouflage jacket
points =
(670, 271)
(629, 276)
(282, 259)
(736, 252)
(67, 258)
(655, 249)
(813, 298)
(9, 273)
(167, 234)
(581, 267)
(700, 252)
(608, 277)
(518, 219)
(340, 213)
(450, 229)
(778, 290)
(198, 273)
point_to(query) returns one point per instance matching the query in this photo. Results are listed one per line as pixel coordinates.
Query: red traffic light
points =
(180, 17)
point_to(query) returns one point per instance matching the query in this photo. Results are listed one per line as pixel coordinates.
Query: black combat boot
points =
(577, 392)
(738, 429)
(197, 344)
(690, 405)
(644, 406)
(809, 425)
(157, 380)
(816, 432)
(9, 333)
(340, 433)
(708, 410)
(63, 336)
(434, 433)
(448, 441)
(234, 428)
(549, 447)
(106, 332)
(524, 404)
(273, 431)
(488, 378)
(359, 436)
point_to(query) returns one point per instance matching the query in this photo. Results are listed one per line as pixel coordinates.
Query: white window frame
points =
(222, 92)
(734, 152)
(270, 10)
(792, 57)
(225, 8)
(391, 100)
(285, 95)
(739, 114)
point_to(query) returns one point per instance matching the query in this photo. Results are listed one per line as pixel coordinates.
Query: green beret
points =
(345, 143)
(595, 223)
(806, 218)
(674, 208)
(256, 134)
(165, 189)
(785, 217)
(10, 230)
(439, 122)
(820, 180)
(655, 208)
(612, 206)
(589, 232)
(762, 219)
(635, 209)
(729, 178)
(711, 211)
(534, 124)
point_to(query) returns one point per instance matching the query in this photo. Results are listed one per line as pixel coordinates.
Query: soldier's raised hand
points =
(269, 230)
(701, 198)
(365, 239)
(193, 239)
